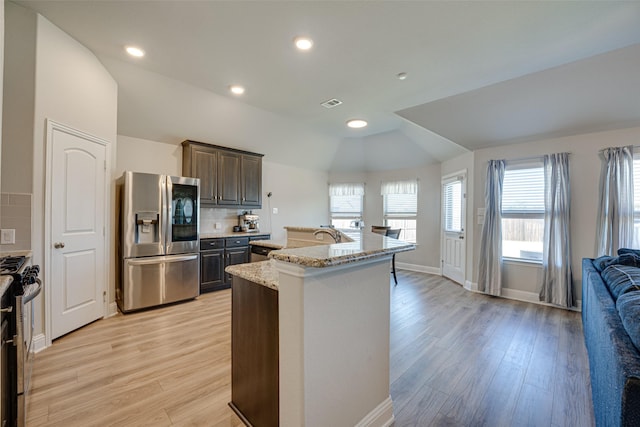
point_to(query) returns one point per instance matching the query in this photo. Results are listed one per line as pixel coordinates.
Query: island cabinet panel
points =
(254, 353)
(228, 177)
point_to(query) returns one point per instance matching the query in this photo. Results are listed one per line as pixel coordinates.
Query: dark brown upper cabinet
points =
(228, 177)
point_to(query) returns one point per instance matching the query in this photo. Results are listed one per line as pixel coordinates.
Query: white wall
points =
(1, 78)
(426, 257)
(71, 87)
(300, 195)
(522, 280)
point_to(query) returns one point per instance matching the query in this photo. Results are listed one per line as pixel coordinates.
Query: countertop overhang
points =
(363, 246)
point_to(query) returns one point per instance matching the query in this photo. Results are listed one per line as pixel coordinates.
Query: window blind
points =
(523, 191)
(453, 206)
(400, 204)
(348, 206)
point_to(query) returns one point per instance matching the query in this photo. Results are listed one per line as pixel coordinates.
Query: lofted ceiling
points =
(479, 73)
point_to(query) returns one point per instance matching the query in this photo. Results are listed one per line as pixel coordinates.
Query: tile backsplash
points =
(227, 218)
(15, 213)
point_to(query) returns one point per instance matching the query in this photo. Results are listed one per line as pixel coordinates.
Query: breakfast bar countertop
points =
(364, 245)
(263, 273)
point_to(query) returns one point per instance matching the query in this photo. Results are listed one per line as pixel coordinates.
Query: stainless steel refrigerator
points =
(158, 233)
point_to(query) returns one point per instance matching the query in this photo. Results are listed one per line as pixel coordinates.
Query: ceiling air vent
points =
(331, 103)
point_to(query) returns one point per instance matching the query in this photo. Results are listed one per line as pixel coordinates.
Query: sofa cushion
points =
(628, 306)
(621, 279)
(603, 262)
(623, 251)
(626, 258)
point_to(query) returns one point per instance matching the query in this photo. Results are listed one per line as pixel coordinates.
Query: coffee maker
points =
(248, 222)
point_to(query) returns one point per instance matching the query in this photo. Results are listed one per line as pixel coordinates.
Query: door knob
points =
(461, 237)
(58, 245)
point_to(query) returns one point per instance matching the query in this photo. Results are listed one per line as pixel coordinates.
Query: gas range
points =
(25, 276)
(17, 332)
(11, 264)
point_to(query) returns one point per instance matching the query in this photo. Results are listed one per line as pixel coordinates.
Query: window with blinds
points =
(345, 205)
(523, 212)
(401, 210)
(452, 199)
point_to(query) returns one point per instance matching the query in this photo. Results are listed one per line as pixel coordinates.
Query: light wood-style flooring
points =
(457, 359)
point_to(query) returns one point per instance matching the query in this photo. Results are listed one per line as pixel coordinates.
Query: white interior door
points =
(77, 274)
(454, 206)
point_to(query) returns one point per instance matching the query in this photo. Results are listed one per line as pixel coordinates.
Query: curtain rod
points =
(635, 147)
(524, 159)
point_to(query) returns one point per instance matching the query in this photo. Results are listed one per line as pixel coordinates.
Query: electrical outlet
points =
(275, 210)
(8, 236)
(217, 226)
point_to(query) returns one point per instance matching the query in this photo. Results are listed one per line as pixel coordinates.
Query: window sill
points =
(517, 261)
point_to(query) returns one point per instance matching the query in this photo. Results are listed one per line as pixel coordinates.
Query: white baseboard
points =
(38, 343)
(470, 286)
(418, 268)
(531, 297)
(113, 310)
(380, 416)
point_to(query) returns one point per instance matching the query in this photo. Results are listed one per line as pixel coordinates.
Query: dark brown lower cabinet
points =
(254, 353)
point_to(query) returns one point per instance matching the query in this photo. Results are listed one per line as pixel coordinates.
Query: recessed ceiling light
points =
(303, 43)
(236, 89)
(135, 51)
(401, 76)
(356, 123)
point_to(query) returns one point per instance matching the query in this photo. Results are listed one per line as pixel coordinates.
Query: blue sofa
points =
(614, 359)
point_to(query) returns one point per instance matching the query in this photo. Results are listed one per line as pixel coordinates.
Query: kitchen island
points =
(332, 303)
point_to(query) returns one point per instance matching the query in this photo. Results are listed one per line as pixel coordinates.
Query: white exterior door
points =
(77, 274)
(454, 206)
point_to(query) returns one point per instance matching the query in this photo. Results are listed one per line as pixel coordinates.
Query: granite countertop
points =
(26, 253)
(263, 273)
(365, 245)
(225, 234)
(271, 244)
(5, 281)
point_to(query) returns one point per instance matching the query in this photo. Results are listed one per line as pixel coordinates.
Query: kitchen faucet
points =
(335, 234)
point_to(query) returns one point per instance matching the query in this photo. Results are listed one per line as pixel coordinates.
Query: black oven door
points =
(7, 376)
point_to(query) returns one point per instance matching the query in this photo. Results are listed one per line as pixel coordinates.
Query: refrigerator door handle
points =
(166, 212)
(181, 258)
(156, 260)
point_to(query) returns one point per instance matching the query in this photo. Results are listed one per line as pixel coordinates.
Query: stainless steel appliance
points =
(260, 253)
(248, 221)
(17, 333)
(159, 225)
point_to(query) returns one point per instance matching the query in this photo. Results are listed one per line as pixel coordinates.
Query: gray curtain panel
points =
(556, 252)
(490, 268)
(614, 228)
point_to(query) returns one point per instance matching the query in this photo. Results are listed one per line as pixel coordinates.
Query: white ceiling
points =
(480, 73)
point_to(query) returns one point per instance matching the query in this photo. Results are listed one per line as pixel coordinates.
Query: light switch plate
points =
(275, 210)
(217, 226)
(7, 236)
